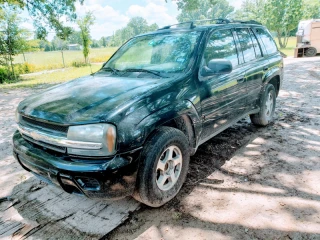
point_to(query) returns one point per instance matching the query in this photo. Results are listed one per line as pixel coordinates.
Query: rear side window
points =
(246, 44)
(221, 45)
(267, 40)
(256, 45)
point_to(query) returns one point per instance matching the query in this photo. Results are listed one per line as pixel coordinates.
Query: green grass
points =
(289, 50)
(53, 60)
(56, 77)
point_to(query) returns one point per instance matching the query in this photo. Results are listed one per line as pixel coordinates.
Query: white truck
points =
(308, 38)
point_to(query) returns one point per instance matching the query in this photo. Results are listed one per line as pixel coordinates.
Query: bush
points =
(22, 68)
(7, 77)
(3, 75)
(79, 64)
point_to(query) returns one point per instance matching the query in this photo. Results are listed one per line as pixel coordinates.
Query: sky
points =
(112, 15)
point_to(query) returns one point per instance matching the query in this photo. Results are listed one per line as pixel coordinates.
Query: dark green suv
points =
(130, 128)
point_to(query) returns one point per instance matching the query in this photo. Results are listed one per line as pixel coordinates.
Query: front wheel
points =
(163, 168)
(267, 107)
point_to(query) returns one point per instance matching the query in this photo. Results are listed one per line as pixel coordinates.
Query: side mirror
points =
(216, 66)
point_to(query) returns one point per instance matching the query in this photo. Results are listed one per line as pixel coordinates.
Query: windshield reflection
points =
(165, 52)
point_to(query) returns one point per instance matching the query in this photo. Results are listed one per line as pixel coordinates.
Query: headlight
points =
(96, 133)
(17, 116)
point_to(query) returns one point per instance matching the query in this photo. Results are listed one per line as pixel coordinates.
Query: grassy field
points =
(53, 60)
(289, 50)
(52, 77)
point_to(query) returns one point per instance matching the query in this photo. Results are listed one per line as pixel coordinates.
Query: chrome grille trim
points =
(47, 126)
(56, 140)
(45, 145)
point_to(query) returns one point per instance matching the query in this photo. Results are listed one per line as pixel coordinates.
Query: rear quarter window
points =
(266, 40)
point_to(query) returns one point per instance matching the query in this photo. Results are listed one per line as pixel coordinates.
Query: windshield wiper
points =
(157, 73)
(115, 71)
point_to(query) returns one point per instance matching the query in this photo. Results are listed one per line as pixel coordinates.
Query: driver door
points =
(223, 97)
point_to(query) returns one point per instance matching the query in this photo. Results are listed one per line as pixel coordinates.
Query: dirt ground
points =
(246, 183)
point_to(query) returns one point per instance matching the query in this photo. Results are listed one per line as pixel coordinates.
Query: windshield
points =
(167, 52)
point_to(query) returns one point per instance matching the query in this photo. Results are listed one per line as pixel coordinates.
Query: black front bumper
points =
(95, 178)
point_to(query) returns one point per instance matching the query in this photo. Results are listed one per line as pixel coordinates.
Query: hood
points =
(87, 99)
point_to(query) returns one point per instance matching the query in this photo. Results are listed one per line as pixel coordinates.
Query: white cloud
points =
(107, 20)
(153, 13)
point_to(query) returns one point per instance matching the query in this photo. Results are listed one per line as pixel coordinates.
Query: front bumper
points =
(111, 178)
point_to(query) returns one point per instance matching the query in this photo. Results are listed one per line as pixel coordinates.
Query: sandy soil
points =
(246, 183)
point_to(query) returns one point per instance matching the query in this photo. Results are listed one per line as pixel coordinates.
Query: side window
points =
(256, 45)
(221, 45)
(246, 44)
(267, 40)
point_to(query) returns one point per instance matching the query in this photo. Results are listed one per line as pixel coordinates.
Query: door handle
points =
(241, 80)
(265, 69)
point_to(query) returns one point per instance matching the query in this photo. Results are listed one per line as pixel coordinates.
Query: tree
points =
(153, 27)
(251, 10)
(47, 14)
(311, 9)
(136, 26)
(12, 37)
(204, 9)
(34, 45)
(75, 38)
(95, 44)
(103, 41)
(282, 16)
(84, 24)
(59, 44)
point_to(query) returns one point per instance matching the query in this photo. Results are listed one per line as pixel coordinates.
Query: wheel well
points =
(275, 81)
(184, 124)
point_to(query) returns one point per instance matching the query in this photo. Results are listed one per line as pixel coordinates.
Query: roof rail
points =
(216, 20)
(246, 22)
(191, 25)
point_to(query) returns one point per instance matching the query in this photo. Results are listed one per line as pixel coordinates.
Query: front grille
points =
(37, 124)
(45, 145)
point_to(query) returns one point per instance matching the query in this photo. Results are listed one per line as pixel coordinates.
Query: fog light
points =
(89, 184)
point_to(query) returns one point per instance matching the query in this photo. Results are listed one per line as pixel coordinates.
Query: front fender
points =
(158, 118)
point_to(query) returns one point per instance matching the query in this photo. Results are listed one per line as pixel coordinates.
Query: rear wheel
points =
(267, 107)
(163, 168)
(310, 52)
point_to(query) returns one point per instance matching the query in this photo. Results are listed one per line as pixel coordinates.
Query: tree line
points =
(280, 16)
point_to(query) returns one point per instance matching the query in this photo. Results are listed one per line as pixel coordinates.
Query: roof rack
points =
(216, 20)
(191, 25)
(246, 22)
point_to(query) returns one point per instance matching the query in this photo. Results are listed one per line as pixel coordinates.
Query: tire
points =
(159, 178)
(267, 107)
(310, 52)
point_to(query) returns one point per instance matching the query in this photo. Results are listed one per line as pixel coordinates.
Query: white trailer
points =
(308, 38)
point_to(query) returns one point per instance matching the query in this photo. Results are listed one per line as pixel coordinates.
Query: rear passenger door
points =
(223, 97)
(254, 63)
(270, 51)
